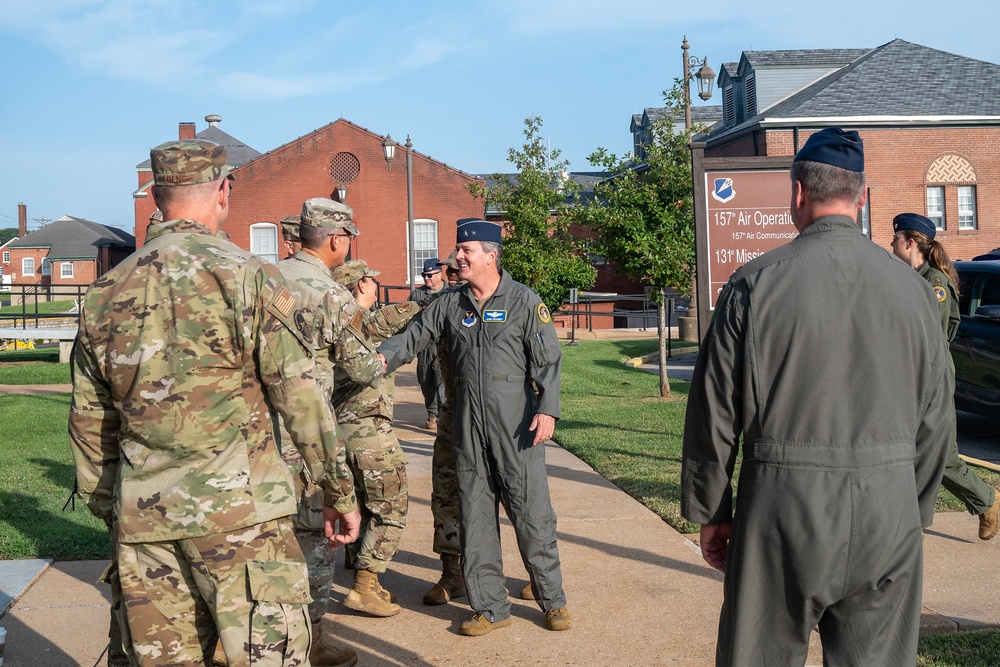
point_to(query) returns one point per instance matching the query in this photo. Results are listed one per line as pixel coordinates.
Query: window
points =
(967, 207)
(6, 257)
(264, 241)
(46, 267)
(425, 241)
(66, 270)
(935, 206)
(27, 266)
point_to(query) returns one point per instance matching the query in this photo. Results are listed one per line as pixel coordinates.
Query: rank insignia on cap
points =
(544, 316)
(284, 301)
(470, 319)
(941, 294)
(495, 316)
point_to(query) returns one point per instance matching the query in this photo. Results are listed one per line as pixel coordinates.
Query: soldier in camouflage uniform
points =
(183, 350)
(343, 349)
(364, 415)
(428, 370)
(290, 234)
(444, 482)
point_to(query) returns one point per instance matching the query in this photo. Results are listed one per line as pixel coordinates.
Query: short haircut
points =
(490, 246)
(314, 237)
(826, 183)
(178, 195)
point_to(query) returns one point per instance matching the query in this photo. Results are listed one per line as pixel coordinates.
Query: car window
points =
(990, 296)
(966, 281)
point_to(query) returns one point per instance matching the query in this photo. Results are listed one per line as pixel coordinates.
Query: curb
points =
(979, 463)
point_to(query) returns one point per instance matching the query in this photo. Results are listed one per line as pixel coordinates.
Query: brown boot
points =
(558, 619)
(364, 597)
(219, 657)
(388, 596)
(432, 423)
(452, 583)
(526, 593)
(989, 521)
(324, 654)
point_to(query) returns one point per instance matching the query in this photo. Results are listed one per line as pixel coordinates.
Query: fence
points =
(41, 306)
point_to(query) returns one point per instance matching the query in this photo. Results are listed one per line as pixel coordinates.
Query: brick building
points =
(68, 251)
(929, 121)
(272, 185)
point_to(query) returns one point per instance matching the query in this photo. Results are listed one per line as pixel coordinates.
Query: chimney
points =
(22, 220)
(213, 119)
(185, 130)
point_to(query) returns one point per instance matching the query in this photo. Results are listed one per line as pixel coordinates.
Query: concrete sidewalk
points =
(639, 592)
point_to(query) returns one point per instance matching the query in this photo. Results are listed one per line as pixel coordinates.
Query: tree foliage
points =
(538, 249)
(643, 212)
(7, 233)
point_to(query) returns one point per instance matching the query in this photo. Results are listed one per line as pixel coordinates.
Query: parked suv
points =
(976, 348)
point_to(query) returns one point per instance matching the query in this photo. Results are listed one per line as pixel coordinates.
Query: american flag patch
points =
(284, 302)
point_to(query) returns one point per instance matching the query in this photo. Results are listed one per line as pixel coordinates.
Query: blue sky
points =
(90, 85)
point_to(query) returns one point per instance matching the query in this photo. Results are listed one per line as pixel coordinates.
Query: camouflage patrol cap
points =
(351, 272)
(451, 262)
(328, 214)
(290, 228)
(188, 162)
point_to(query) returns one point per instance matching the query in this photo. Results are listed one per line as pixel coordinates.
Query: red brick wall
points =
(16, 255)
(275, 185)
(84, 271)
(896, 163)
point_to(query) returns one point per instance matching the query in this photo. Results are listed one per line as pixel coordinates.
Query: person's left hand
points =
(339, 528)
(543, 426)
(714, 539)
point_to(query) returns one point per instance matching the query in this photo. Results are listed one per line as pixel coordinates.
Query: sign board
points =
(747, 215)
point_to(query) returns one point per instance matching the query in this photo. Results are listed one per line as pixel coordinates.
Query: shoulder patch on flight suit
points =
(544, 316)
(284, 301)
(942, 296)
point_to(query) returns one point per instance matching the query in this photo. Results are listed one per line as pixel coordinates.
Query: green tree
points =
(643, 212)
(538, 249)
(7, 233)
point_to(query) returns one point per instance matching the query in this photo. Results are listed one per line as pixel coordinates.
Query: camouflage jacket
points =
(183, 350)
(331, 318)
(352, 401)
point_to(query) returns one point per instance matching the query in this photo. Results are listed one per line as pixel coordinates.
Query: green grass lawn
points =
(36, 478)
(38, 366)
(40, 308)
(960, 649)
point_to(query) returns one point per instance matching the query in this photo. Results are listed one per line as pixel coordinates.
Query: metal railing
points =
(25, 306)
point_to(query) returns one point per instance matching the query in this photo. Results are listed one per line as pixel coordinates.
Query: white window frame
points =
(63, 273)
(935, 206)
(967, 207)
(425, 240)
(256, 231)
(6, 256)
(27, 266)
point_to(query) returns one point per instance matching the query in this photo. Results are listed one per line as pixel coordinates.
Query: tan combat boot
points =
(364, 597)
(989, 521)
(526, 593)
(432, 423)
(325, 654)
(219, 657)
(386, 595)
(452, 583)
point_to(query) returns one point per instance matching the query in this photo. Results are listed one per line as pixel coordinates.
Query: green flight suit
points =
(825, 358)
(428, 367)
(958, 478)
(506, 360)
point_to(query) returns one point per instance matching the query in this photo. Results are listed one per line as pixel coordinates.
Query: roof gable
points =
(237, 152)
(71, 237)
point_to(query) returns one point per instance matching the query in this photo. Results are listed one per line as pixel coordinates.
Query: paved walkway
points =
(639, 591)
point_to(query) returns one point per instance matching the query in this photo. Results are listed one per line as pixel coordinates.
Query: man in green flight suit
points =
(183, 350)
(825, 358)
(506, 360)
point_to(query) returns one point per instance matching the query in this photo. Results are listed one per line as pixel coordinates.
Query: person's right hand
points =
(341, 529)
(714, 540)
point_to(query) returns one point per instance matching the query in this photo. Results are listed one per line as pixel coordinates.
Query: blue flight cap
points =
(835, 147)
(431, 265)
(914, 221)
(476, 229)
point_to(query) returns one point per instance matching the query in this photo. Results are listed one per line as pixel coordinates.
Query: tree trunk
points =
(661, 330)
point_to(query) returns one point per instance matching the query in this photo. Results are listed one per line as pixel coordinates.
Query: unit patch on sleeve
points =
(495, 316)
(544, 316)
(941, 294)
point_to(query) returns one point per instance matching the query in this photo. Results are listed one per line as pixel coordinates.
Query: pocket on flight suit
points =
(541, 352)
(280, 591)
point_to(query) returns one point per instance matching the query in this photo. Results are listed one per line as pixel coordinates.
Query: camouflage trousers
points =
(379, 466)
(119, 641)
(308, 524)
(444, 490)
(246, 587)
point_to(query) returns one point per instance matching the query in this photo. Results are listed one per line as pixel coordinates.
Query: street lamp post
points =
(389, 152)
(688, 326)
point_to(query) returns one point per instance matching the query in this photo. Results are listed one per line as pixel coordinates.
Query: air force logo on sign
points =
(723, 190)
(495, 316)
